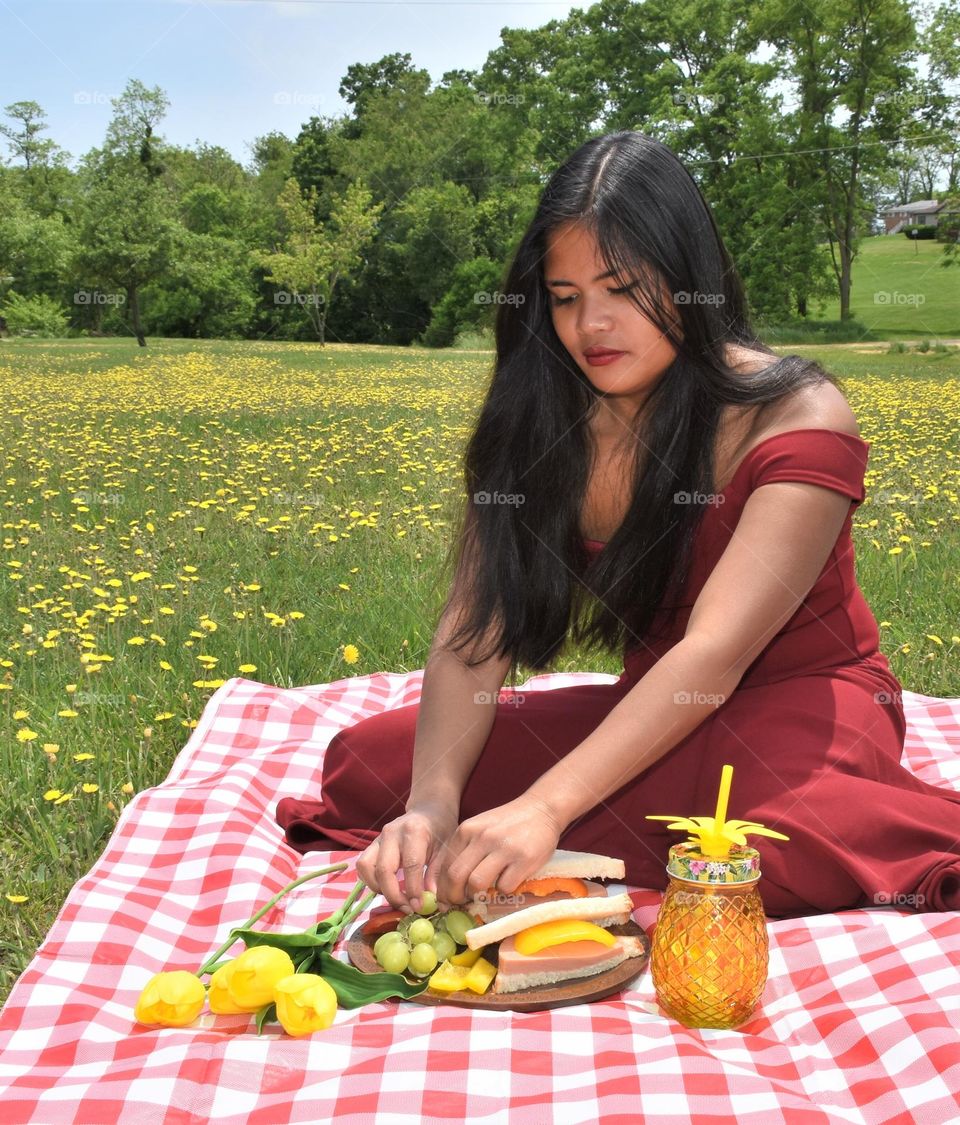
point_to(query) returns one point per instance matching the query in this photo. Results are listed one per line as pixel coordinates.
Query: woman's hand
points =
(497, 848)
(409, 842)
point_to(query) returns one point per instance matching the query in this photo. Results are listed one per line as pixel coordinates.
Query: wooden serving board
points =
(582, 991)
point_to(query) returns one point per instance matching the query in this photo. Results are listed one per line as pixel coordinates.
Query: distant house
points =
(923, 213)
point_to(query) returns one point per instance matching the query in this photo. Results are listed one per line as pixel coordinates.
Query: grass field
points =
(202, 509)
(901, 291)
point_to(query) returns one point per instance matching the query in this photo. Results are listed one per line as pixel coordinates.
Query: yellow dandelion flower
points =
(70, 689)
(351, 654)
(343, 586)
(933, 637)
(51, 747)
(895, 551)
(295, 615)
(63, 798)
(83, 757)
(89, 787)
(127, 787)
(251, 586)
(247, 668)
(163, 716)
(68, 714)
(140, 575)
(25, 734)
(16, 898)
(51, 794)
(165, 609)
(136, 640)
(21, 714)
(165, 666)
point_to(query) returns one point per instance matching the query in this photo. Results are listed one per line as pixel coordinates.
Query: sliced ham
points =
(567, 961)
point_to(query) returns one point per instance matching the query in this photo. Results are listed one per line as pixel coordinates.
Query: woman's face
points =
(589, 313)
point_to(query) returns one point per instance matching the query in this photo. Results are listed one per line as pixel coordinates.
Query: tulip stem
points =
(205, 968)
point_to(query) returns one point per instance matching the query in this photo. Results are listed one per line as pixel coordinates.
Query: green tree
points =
(128, 232)
(843, 60)
(316, 256)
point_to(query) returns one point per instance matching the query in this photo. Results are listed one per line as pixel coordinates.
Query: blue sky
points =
(232, 69)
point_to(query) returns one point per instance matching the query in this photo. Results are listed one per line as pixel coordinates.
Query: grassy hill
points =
(901, 291)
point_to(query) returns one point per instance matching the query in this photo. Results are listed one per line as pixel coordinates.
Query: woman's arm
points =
(457, 710)
(688, 683)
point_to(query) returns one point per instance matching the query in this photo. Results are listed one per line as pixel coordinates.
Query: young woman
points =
(645, 474)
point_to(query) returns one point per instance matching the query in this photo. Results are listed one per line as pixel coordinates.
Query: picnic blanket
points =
(858, 1022)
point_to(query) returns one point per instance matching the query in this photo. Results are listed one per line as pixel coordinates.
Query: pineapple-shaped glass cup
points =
(709, 952)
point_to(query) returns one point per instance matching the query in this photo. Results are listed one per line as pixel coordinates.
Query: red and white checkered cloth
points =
(859, 1020)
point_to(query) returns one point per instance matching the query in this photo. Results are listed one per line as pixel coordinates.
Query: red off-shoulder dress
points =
(814, 732)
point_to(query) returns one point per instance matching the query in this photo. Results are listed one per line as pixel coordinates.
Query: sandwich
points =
(565, 875)
(558, 934)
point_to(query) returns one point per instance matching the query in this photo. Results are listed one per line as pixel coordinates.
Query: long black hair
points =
(521, 571)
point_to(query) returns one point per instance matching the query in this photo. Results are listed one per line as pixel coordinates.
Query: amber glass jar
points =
(709, 952)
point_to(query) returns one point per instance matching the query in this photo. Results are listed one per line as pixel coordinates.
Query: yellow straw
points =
(726, 776)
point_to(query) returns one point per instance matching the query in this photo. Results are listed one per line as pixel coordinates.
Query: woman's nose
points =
(594, 317)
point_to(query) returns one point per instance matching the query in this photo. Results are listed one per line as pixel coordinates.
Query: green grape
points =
(395, 957)
(456, 923)
(444, 944)
(421, 931)
(423, 959)
(384, 940)
(428, 903)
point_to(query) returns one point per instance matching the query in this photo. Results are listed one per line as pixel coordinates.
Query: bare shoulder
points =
(823, 406)
(820, 406)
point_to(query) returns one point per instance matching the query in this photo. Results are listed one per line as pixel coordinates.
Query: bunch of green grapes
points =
(423, 940)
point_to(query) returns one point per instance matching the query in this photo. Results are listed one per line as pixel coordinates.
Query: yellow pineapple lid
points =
(717, 850)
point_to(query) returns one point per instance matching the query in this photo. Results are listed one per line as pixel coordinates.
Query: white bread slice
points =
(625, 948)
(580, 865)
(601, 910)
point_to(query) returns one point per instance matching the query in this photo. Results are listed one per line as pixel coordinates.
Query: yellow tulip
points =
(254, 973)
(305, 1003)
(171, 999)
(219, 996)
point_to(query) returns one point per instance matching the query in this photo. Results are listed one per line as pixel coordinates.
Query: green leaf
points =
(354, 988)
(267, 1013)
(325, 936)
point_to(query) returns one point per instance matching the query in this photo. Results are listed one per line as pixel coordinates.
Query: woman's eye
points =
(566, 300)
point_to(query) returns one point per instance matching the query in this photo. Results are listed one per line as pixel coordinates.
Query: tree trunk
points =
(133, 300)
